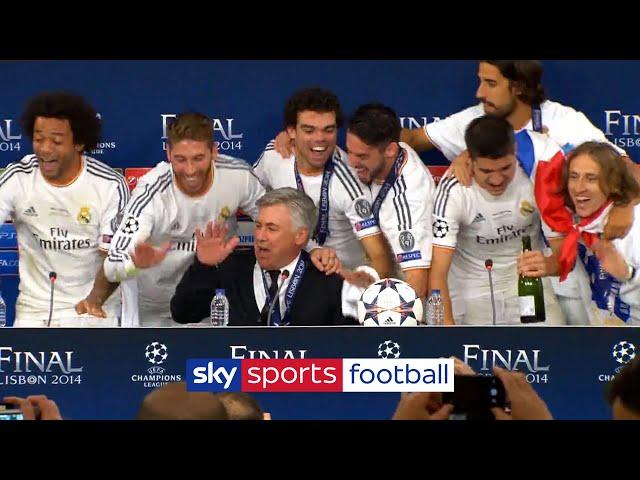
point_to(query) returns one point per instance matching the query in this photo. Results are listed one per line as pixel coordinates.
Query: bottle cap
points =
(219, 291)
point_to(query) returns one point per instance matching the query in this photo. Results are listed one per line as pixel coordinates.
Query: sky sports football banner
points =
(321, 375)
(306, 372)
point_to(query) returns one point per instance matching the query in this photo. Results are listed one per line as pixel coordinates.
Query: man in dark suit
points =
(279, 267)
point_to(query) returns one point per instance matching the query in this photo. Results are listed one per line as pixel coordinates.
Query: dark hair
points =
(190, 126)
(375, 124)
(313, 99)
(616, 181)
(241, 406)
(489, 137)
(626, 386)
(527, 73)
(83, 119)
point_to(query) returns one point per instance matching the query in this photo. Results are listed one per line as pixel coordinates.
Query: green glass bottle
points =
(531, 293)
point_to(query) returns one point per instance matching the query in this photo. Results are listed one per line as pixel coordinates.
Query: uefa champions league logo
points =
(623, 352)
(389, 349)
(156, 353)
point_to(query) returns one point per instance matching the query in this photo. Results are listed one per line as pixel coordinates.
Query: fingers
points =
(500, 414)
(461, 168)
(324, 259)
(330, 262)
(532, 264)
(97, 311)
(209, 230)
(27, 409)
(333, 265)
(48, 408)
(461, 368)
(90, 308)
(363, 279)
(422, 406)
(232, 244)
(284, 144)
(443, 413)
(360, 279)
(81, 307)
(512, 381)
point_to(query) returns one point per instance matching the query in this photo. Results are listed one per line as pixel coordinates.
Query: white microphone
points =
(488, 263)
(284, 275)
(52, 277)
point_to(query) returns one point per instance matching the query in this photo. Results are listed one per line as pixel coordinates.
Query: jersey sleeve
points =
(447, 135)
(409, 230)
(579, 129)
(261, 167)
(448, 213)
(253, 191)
(136, 226)
(113, 210)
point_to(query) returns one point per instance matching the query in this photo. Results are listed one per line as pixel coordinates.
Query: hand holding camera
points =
(34, 407)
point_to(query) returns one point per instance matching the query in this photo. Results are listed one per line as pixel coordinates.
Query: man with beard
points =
(318, 167)
(512, 89)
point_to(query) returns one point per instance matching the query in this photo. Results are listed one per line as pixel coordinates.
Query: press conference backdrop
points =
(105, 373)
(135, 99)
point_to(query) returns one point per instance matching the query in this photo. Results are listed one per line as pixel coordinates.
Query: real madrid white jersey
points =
(405, 213)
(612, 301)
(480, 226)
(158, 212)
(348, 204)
(565, 125)
(60, 229)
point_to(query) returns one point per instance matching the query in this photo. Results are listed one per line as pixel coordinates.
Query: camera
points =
(474, 396)
(9, 412)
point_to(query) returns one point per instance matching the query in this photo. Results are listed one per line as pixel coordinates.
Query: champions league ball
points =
(389, 303)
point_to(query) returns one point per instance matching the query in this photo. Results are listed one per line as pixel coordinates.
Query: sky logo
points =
(214, 375)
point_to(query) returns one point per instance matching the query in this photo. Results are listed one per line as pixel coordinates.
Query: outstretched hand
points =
(358, 278)
(145, 255)
(212, 247)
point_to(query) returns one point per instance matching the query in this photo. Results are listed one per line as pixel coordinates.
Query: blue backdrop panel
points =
(245, 98)
(100, 373)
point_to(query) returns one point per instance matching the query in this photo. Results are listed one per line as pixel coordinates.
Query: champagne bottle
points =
(531, 293)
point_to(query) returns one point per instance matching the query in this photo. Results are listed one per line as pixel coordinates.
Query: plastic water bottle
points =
(3, 312)
(219, 309)
(435, 309)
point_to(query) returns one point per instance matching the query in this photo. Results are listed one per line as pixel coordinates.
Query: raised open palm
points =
(211, 246)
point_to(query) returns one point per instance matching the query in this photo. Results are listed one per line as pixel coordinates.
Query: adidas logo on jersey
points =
(31, 212)
(478, 218)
